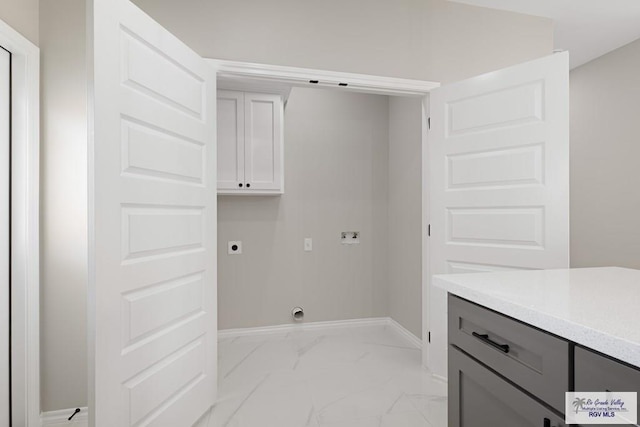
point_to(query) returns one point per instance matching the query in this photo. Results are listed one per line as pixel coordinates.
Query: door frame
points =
(302, 77)
(25, 284)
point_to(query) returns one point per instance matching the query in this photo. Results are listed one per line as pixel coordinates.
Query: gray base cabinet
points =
(504, 373)
(480, 398)
(595, 372)
(536, 361)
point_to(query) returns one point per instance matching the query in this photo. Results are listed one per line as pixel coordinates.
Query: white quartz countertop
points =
(597, 308)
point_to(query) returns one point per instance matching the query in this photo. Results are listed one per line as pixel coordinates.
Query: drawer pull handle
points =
(485, 338)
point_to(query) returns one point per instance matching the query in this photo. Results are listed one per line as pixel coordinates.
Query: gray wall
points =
(336, 147)
(605, 153)
(63, 215)
(425, 39)
(23, 16)
(405, 213)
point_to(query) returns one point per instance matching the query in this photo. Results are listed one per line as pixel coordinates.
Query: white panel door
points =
(263, 146)
(230, 140)
(499, 169)
(152, 299)
(5, 194)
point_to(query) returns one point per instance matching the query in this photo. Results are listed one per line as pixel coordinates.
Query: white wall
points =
(605, 153)
(336, 154)
(425, 39)
(23, 16)
(405, 213)
(63, 206)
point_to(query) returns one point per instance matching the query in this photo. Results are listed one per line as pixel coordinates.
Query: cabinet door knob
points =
(248, 185)
(240, 185)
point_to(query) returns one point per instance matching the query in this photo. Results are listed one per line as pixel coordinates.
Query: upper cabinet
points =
(250, 143)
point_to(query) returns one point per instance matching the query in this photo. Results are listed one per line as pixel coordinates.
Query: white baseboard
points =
(436, 377)
(440, 378)
(414, 340)
(61, 418)
(278, 329)
(350, 323)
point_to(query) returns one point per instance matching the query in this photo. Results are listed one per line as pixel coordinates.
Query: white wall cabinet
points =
(250, 143)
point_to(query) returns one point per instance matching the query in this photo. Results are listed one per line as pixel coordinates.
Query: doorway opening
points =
(341, 240)
(403, 97)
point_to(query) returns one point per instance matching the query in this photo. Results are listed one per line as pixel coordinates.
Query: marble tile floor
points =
(361, 376)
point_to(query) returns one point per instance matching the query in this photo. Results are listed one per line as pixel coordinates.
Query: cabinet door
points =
(230, 140)
(480, 398)
(263, 142)
(594, 372)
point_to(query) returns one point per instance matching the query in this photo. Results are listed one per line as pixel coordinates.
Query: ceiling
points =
(586, 28)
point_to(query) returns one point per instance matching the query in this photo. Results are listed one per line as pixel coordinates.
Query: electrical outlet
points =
(234, 248)
(308, 244)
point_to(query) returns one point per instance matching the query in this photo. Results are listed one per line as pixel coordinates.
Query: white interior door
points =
(152, 217)
(263, 133)
(230, 140)
(499, 190)
(5, 243)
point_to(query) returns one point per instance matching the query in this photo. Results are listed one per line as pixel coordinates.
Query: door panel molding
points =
(152, 223)
(499, 182)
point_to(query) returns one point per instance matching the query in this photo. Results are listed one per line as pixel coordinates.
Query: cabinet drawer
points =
(599, 373)
(536, 361)
(594, 372)
(480, 398)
